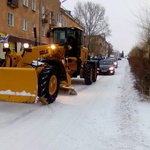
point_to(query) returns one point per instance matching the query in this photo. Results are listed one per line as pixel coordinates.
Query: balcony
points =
(12, 3)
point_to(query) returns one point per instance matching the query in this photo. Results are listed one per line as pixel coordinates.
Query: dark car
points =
(97, 59)
(106, 67)
(114, 60)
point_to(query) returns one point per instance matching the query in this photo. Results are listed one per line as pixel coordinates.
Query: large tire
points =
(88, 74)
(48, 84)
(94, 74)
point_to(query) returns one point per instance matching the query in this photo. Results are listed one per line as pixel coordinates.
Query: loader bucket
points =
(18, 84)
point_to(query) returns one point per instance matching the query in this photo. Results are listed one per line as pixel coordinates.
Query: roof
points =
(56, 27)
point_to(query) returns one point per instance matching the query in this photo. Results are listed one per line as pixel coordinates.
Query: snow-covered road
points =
(107, 115)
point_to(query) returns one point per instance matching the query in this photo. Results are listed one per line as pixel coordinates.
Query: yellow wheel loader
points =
(77, 60)
(38, 72)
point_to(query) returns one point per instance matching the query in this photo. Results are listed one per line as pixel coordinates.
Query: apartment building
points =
(17, 21)
(68, 19)
(20, 18)
(96, 44)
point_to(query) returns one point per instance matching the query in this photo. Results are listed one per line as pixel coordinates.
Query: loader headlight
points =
(26, 45)
(53, 47)
(6, 45)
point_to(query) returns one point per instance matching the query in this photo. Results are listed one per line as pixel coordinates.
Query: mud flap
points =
(18, 84)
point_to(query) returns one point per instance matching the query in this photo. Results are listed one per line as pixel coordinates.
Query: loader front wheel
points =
(48, 84)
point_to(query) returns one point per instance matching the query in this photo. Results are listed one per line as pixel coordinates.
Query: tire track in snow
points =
(80, 86)
(15, 112)
(15, 119)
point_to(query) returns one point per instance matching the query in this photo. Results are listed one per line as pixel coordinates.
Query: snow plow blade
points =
(18, 85)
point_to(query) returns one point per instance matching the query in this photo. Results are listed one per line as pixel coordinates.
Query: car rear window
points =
(105, 62)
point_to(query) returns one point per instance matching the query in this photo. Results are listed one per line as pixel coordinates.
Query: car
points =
(97, 59)
(106, 67)
(114, 60)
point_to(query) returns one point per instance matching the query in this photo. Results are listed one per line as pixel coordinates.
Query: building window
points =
(34, 5)
(10, 19)
(43, 31)
(43, 12)
(25, 25)
(33, 26)
(12, 3)
(25, 3)
(59, 20)
(51, 18)
(63, 23)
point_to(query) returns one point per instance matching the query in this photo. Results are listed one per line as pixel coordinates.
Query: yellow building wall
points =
(32, 17)
(19, 13)
(68, 20)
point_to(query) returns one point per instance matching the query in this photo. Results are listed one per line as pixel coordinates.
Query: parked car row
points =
(107, 65)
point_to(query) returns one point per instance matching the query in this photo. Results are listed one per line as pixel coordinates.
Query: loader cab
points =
(71, 36)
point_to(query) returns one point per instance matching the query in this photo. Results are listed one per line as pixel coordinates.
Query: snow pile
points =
(23, 93)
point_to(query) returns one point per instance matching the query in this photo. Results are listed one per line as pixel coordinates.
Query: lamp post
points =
(40, 20)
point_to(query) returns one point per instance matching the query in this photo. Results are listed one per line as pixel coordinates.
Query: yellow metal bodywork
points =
(52, 84)
(18, 78)
(43, 51)
(18, 84)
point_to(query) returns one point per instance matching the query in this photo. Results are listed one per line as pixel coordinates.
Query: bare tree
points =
(143, 23)
(92, 17)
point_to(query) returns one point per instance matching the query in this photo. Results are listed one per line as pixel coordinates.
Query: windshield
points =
(105, 62)
(60, 35)
(113, 59)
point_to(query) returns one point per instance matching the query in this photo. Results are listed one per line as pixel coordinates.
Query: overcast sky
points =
(122, 20)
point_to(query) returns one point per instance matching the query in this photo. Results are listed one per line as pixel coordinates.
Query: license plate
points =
(103, 70)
